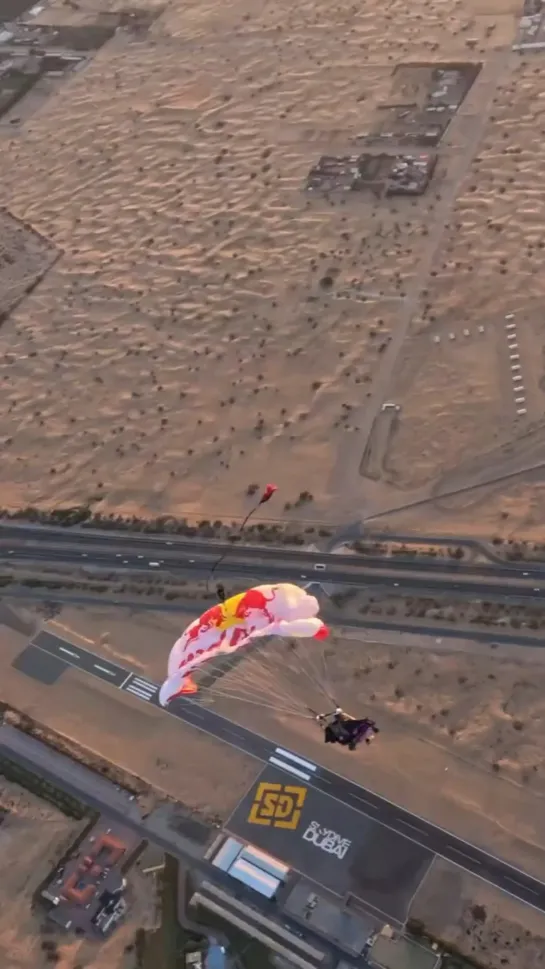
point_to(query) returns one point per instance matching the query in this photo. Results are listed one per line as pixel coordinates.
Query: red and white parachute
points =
(263, 611)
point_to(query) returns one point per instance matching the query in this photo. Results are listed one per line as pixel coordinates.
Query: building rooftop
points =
(91, 881)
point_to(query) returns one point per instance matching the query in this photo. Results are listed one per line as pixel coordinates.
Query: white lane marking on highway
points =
(103, 669)
(520, 885)
(407, 824)
(195, 715)
(126, 680)
(69, 652)
(290, 768)
(474, 861)
(298, 760)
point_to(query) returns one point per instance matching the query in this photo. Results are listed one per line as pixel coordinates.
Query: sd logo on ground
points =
(278, 805)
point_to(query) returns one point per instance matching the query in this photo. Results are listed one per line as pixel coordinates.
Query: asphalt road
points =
(491, 869)
(406, 577)
(204, 553)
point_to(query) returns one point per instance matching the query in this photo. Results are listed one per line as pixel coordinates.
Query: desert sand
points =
(207, 318)
(482, 922)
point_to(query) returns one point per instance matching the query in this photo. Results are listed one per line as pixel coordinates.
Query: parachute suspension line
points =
(301, 661)
(266, 670)
(326, 672)
(303, 651)
(252, 685)
(256, 673)
(255, 678)
(266, 495)
(273, 664)
(261, 704)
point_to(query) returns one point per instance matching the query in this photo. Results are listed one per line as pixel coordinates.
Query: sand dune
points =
(190, 335)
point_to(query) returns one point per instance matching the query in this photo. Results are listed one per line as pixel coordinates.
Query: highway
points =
(195, 560)
(468, 856)
(16, 539)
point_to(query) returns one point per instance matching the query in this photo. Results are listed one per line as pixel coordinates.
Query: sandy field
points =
(482, 922)
(447, 715)
(197, 770)
(199, 279)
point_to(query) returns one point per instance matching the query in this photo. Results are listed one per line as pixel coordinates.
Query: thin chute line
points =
(280, 697)
(256, 680)
(328, 674)
(263, 664)
(270, 683)
(310, 673)
(261, 704)
(298, 661)
(254, 674)
(265, 496)
(273, 684)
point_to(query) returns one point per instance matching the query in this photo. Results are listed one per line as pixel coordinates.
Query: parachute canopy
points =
(265, 610)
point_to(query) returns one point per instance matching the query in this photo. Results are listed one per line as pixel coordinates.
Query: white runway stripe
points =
(298, 760)
(289, 767)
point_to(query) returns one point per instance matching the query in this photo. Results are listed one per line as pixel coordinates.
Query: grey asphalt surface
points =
(408, 577)
(206, 552)
(41, 666)
(382, 867)
(431, 837)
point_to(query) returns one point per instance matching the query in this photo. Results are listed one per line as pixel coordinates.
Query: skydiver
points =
(345, 730)
(221, 593)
